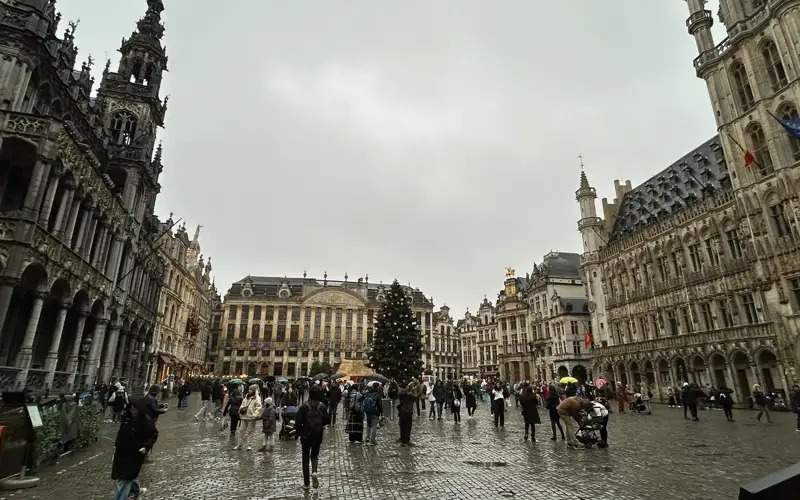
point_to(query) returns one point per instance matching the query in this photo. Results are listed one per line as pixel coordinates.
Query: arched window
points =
(760, 149)
(41, 104)
(741, 86)
(789, 112)
(123, 128)
(772, 60)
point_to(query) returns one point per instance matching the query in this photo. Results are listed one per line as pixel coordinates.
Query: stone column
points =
(6, 292)
(90, 232)
(112, 266)
(73, 217)
(52, 354)
(94, 255)
(123, 340)
(72, 360)
(82, 229)
(40, 173)
(47, 204)
(23, 359)
(93, 364)
(107, 367)
(63, 211)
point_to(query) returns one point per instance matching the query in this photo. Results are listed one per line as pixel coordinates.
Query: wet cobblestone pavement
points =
(659, 456)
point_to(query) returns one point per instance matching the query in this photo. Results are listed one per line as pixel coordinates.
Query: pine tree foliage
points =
(397, 346)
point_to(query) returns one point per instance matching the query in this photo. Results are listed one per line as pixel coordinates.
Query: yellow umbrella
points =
(568, 380)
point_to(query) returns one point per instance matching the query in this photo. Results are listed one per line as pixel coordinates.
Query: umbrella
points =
(303, 378)
(282, 380)
(337, 376)
(321, 376)
(377, 377)
(269, 378)
(256, 381)
(568, 380)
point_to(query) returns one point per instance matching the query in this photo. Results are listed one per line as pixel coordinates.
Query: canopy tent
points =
(354, 369)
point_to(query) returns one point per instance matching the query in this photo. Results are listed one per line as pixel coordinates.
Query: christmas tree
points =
(396, 347)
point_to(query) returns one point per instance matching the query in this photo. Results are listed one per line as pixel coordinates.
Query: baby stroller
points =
(288, 416)
(588, 433)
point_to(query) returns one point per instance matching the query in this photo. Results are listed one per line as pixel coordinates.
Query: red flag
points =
(588, 339)
(748, 158)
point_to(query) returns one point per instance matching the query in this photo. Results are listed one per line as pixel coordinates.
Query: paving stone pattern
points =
(659, 456)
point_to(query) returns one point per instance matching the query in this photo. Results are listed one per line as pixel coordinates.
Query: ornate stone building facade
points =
(444, 347)
(78, 182)
(184, 307)
(280, 326)
(514, 356)
(695, 274)
(478, 337)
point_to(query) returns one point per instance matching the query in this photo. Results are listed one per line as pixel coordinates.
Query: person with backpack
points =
(440, 394)
(334, 396)
(118, 401)
(312, 417)
(373, 410)
(355, 423)
(232, 407)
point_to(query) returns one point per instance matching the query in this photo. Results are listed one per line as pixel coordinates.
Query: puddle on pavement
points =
(485, 464)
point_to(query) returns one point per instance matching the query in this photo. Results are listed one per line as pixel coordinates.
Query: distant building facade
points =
(477, 335)
(280, 326)
(184, 308)
(444, 348)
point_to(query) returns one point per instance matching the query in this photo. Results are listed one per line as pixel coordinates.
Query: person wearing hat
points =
(249, 413)
(269, 417)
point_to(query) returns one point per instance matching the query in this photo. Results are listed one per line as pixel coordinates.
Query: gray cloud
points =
(435, 142)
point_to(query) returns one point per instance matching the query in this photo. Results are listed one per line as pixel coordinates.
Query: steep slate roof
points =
(269, 285)
(699, 174)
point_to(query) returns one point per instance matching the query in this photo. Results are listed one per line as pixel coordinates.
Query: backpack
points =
(316, 419)
(371, 405)
(357, 403)
(505, 392)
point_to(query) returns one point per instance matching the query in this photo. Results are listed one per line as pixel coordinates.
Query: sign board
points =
(34, 416)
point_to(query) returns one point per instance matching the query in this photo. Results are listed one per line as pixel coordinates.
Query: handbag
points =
(456, 403)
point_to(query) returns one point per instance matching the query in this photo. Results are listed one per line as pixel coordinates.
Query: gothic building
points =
(78, 182)
(185, 301)
(478, 337)
(443, 349)
(695, 274)
(280, 326)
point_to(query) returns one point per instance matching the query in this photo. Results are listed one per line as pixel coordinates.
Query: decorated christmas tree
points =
(396, 347)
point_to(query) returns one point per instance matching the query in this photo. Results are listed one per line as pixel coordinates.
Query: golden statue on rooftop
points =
(510, 272)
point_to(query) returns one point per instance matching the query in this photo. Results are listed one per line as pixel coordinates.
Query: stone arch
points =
(562, 371)
(57, 300)
(17, 160)
(717, 364)
(697, 368)
(622, 374)
(744, 378)
(681, 369)
(636, 374)
(74, 329)
(664, 374)
(769, 369)
(649, 372)
(31, 286)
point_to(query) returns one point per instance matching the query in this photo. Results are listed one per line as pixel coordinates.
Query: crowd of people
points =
(577, 413)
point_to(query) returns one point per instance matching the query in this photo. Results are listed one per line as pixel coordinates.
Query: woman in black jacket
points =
(469, 397)
(551, 403)
(530, 412)
(232, 408)
(136, 435)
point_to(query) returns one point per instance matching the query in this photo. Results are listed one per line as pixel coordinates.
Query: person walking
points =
(392, 394)
(431, 397)
(725, 401)
(622, 397)
(568, 411)
(135, 436)
(551, 403)
(469, 398)
(269, 419)
(454, 398)
(334, 396)
(671, 398)
(794, 402)
(599, 411)
(232, 407)
(183, 395)
(498, 406)
(310, 422)
(689, 397)
(205, 402)
(762, 403)
(217, 396)
(530, 411)
(405, 411)
(373, 409)
(118, 402)
(421, 394)
(249, 413)
(355, 423)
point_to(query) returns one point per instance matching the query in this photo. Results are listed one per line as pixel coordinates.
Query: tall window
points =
(672, 321)
(772, 61)
(663, 268)
(795, 283)
(749, 308)
(123, 128)
(694, 256)
(255, 333)
(741, 85)
(687, 319)
(779, 221)
(231, 330)
(789, 112)
(231, 312)
(708, 320)
(734, 246)
(760, 149)
(711, 245)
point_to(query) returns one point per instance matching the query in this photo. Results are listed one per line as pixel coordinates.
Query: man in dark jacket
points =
(689, 394)
(205, 401)
(334, 395)
(405, 411)
(440, 393)
(136, 435)
(312, 417)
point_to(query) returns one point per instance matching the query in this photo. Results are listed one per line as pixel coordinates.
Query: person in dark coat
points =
(334, 395)
(405, 411)
(530, 412)
(183, 395)
(454, 397)
(469, 399)
(136, 435)
(689, 395)
(269, 419)
(232, 408)
(551, 403)
(355, 421)
(726, 402)
(440, 393)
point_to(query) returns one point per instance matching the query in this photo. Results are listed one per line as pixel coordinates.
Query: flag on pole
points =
(588, 339)
(792, 126)
(749, 158)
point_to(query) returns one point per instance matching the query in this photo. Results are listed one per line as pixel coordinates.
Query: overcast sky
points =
(433, 142)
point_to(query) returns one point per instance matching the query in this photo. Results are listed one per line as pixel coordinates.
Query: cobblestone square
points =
(658, 456)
